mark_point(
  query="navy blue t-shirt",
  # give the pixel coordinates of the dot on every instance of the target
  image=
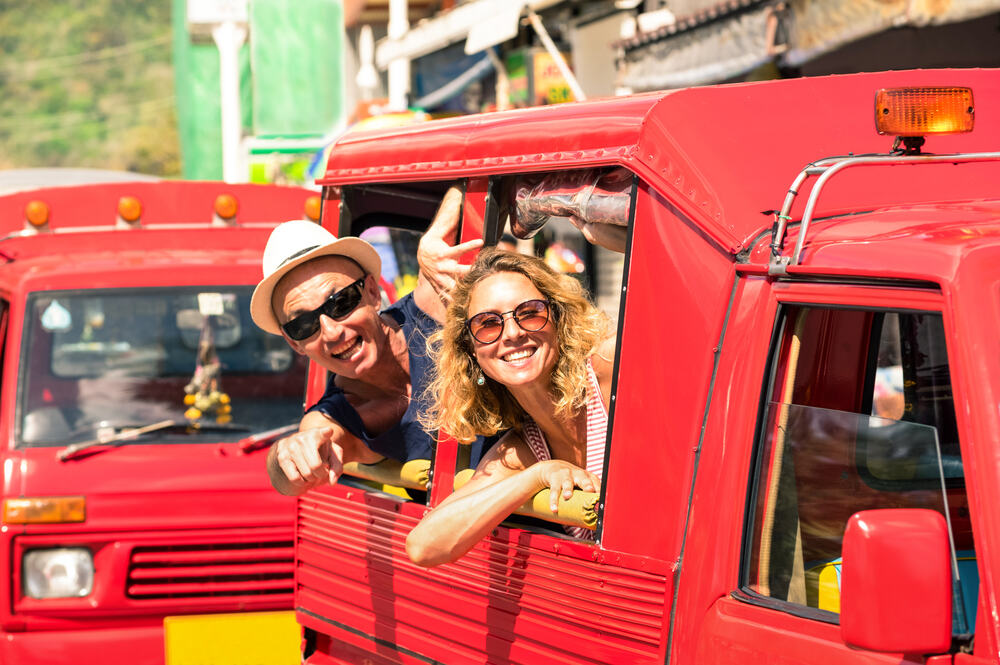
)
(407, 440)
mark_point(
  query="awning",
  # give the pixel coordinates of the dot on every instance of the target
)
(715, 51)
(733, 38)
(818, 28)
(483, 23)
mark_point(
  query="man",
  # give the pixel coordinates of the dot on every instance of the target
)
(322, 295)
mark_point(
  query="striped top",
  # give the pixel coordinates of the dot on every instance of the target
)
(597, 431)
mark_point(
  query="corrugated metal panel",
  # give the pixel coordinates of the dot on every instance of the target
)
(507, 599)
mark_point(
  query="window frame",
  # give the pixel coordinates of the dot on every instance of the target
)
(897, 296)
(494, 224)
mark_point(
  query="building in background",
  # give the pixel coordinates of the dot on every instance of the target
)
(465, 57)
(290, 90)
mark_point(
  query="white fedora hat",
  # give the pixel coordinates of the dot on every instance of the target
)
(293, 243)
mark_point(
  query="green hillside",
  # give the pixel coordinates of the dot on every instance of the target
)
(87, 83)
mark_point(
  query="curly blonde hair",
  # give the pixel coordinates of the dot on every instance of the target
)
(465, 410)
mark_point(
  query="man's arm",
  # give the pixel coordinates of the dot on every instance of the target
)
(315, 455)
(439, 258)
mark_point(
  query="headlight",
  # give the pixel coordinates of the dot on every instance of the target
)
(66, 572)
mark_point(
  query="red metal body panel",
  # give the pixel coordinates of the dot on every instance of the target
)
(671, 314)
(698, 322)
(354, 583)
(205, 513)
(973, 307)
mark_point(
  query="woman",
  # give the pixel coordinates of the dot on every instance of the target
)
(522, 348)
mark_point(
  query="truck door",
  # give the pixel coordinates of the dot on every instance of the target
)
(856, 413)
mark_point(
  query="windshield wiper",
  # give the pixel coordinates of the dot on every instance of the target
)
(264, 439)
(72, 451)
(131, 433)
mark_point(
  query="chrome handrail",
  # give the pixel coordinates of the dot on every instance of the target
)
(826, 169)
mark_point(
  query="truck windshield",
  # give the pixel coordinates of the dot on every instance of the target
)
(94, 363)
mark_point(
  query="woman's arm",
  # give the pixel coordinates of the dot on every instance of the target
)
(506, 478)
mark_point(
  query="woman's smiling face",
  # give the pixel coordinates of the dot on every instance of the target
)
(518, 357)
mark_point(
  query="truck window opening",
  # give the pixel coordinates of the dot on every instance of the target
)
(860, 416)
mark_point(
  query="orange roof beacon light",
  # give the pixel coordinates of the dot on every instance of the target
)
(129, 212)
(36, 217)
(909, 114)
(226, 207)
(312, 208)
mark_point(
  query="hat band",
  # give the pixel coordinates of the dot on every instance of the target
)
(297, 255)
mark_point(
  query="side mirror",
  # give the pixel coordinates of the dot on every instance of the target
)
(896, 582)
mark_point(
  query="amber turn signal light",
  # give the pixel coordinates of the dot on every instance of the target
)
(129, 209)
(922, 111)
(44, 510)
(226, 206)
(37, 213)
(313, 208)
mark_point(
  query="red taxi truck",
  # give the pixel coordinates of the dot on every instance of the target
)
(803, 460)
(136, 398)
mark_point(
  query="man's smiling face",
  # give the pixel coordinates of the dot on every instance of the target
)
(348, 346)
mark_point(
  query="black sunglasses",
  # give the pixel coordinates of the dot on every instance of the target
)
(336, 306)
(531, 316)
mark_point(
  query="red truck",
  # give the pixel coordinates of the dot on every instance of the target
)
(803, 459)
(138, 522)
